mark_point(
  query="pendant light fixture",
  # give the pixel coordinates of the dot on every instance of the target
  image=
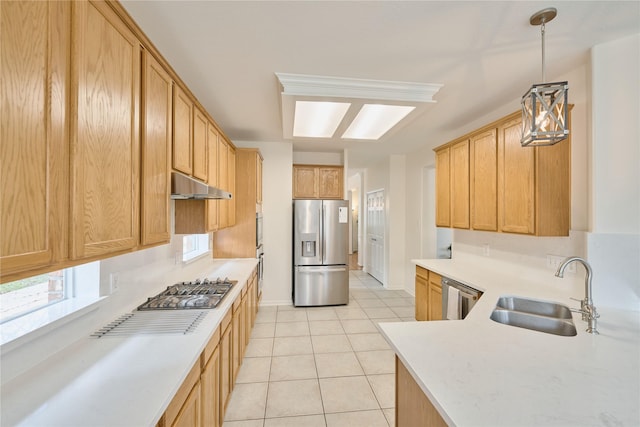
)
(545, 105)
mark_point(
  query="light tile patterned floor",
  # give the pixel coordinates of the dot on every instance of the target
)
(321, 366)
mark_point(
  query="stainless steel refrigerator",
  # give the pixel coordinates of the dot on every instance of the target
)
(320, 252)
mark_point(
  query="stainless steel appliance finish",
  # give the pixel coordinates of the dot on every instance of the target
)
(320, 258)
(190, 295)
(185, 187)
(468, 297)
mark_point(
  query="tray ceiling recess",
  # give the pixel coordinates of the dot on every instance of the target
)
(321, 107)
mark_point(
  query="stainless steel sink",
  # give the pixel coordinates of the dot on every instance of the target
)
(530, 306)
(541, 316)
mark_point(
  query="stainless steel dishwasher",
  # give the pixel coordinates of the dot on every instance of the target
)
(467, 297)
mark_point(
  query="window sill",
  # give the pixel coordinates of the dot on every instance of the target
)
(196, 257)
(21, 330)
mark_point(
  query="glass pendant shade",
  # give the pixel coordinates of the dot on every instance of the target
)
(544, 114)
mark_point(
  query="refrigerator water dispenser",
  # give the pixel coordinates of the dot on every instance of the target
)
(309, 248)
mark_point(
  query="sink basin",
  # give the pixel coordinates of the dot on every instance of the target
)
(540, 308)
(549, 325)
(541, 316)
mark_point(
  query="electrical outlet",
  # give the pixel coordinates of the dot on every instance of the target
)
(554, 261)
(114, 282)
(485, 249)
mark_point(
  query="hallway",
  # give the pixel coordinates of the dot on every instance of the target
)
(321, 366)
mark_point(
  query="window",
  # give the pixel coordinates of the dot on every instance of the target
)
(194, 245)
(29, 304)
(27, 295)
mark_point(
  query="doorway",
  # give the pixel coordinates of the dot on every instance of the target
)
(375, 234)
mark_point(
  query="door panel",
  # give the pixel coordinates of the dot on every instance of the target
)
(307, 232)
(321, 285)
(335, 233)
(375, 234)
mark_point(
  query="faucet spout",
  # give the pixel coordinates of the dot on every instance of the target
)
(587, 308)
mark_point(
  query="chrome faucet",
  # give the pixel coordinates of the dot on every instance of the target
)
(587, 309)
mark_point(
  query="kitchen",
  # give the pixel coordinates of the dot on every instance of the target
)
(604, 222)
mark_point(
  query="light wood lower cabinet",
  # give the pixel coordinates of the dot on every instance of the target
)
(202, 399)
(413, 408)
(435, 296)
(422, 293)
(185, 408)
(226, 367)
(428, 295)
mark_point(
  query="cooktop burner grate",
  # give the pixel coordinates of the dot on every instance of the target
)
(190, 295)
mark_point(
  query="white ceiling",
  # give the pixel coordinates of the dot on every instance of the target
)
(484, 52)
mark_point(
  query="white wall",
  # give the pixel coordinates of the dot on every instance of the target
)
(277, 172)
(613, 246)
(316, 158)
(395, 230)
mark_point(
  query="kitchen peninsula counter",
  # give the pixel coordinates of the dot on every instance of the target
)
(477, 372)
(118, 380)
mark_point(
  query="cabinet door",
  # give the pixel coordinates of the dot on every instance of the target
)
(156, 153)
(200, 132)
(210, 389)
(212, 176)
(422, 294)
(258, 179)
(226, 369)
(236, 339)
(484, 181)
(435, 296)
(231, 204)
(189, 415)
(443, 188)
(223, 182)
(34, 152)
(460, 185)
(330, 184)
(305, 182)
(105, 134)
(182, 131)
(515, 181)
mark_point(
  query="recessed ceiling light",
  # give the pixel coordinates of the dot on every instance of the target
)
(318, 119)
(374, 120)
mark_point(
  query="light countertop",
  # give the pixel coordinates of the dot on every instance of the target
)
(116, 381)
(478, 372)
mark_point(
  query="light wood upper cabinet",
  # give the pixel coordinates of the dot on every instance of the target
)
(318, 182)
(212, 175)
(259, 179)
(514, 189)
(156, 153)
(231, 164)
(200, 132)
(484, 181)
(239, 241)
(460, 185)
(305, 182)
(105, 146)
(443, 188)
(182, 131)
(516, 170)
(34, 148)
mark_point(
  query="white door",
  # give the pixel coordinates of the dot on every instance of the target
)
(375, 234)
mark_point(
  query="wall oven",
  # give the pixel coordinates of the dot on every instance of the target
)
(457, 299)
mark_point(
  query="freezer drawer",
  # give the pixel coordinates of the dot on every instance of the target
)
(321, 285)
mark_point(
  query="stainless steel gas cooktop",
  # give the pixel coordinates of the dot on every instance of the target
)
(190, 295)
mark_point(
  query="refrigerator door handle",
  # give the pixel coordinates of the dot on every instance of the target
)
(322, 242)
(320, 269)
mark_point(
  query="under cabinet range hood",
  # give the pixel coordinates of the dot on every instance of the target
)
(185, 187)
